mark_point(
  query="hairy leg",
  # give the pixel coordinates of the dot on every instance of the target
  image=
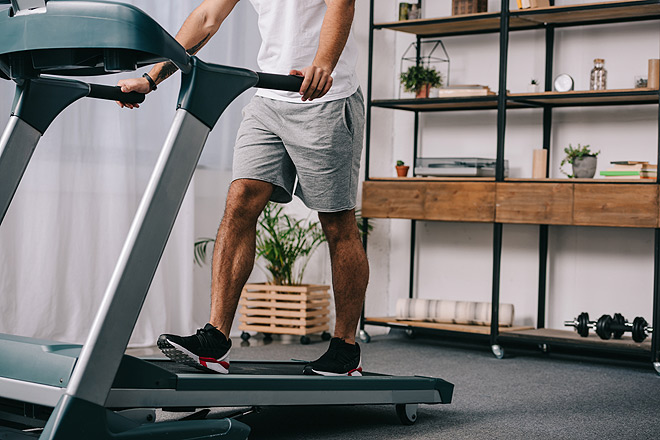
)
(350, 270)
(233, 254)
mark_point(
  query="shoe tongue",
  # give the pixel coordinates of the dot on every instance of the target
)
(210, 328)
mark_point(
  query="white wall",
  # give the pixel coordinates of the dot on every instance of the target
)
(597, 270)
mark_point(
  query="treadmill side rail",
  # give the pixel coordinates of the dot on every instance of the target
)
(16, 147)
(133, 274)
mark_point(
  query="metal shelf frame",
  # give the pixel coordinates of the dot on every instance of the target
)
(507, 22)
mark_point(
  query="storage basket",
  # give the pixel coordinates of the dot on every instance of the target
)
(460, 7)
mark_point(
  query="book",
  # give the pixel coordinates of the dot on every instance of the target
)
(519, 4)
(619, 173)
(448, 93)
(526, 4)
(540, 3)
(636, 168)
(634, 162)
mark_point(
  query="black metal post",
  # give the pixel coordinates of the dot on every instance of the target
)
(365, 222)
(655, 339)
(413, 223)
(547, 131)
(370, 69)
(499, 168)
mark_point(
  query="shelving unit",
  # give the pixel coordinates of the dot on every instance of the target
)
(500, 200)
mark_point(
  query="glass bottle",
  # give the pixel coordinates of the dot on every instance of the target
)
(598, 75)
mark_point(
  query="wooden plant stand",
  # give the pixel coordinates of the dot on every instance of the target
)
(285, 310)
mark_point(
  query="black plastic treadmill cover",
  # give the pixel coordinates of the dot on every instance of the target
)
(85, 38)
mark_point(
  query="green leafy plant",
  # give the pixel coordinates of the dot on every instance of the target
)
(575, 153)
(285, 243)
(416, 77)
(400, 163)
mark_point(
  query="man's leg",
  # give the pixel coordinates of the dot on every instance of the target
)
(233, 259)
(234, 251)
(350, 270)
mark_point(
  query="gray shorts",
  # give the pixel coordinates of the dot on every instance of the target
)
(320, 144)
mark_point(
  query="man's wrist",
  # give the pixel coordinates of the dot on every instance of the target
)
(152, 83)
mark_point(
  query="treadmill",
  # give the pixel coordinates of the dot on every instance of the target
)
(54, 390)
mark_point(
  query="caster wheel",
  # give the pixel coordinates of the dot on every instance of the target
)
(498, 351)
(407, 413)
(411, 333)
(545, 348)
(364, 337)
(326, 336)
(245, 336)
(304, 340)
(268, 337)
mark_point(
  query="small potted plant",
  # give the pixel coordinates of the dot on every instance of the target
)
(533, 86)
(401, 168)
(583, 160)
(420, 80)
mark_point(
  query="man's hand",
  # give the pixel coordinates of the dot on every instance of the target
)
(317, 81)
(140, 85)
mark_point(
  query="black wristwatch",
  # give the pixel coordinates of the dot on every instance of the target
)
(152, 83)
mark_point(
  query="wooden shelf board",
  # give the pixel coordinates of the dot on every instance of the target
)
(438, 104)
(570, 181)
(477, 329)
(590, 12)
(487, 22)
(481, 22)
(525, 100)
(585, 97)
(433, 179)
(568, 336)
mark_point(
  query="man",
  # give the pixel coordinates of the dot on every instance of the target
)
(315, 136)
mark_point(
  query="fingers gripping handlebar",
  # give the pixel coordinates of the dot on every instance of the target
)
(114, 93)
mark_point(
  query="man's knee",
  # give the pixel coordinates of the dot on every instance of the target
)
(246, 199)
(339, 226)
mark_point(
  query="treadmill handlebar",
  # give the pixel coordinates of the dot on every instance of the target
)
(287, 83)
(114, 93)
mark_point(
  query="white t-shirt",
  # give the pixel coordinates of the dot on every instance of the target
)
(290, 31)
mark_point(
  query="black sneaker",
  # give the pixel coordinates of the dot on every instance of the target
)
(341, 359)
(207, 349)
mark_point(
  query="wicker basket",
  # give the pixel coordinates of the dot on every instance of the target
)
(460, 7)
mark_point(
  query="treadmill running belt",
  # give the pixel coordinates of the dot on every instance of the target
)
(284, 368)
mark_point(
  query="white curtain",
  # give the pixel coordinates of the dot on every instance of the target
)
(66, 226)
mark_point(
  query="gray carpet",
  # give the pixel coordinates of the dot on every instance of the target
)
(520, 397)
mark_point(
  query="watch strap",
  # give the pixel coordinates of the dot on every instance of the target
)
(152, 83)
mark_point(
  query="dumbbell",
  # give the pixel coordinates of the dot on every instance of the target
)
(616, 326)
(581, 324)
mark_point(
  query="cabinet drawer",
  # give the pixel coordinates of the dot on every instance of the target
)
(534, 203)
(620, 205)
(443, 201)
(460, 201)
(393, 200)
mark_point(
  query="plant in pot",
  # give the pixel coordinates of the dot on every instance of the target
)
(583, 161)
(401, 168)
(286, 245)
(420, 80)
